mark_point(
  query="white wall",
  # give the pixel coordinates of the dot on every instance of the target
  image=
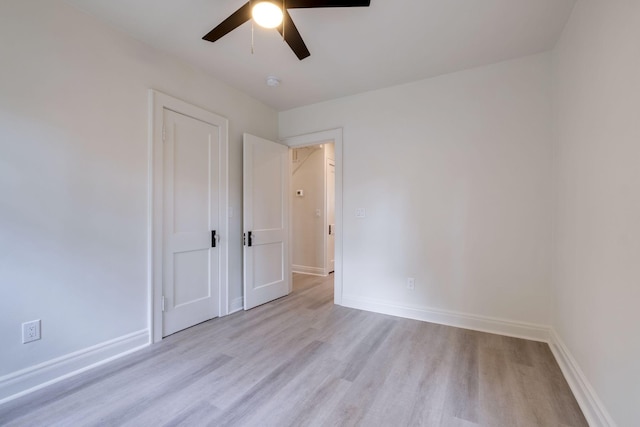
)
(308, 228)
(455, 176)
(73, 175)
(597, 264)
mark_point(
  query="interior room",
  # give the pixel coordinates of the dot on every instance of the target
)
(476, 264)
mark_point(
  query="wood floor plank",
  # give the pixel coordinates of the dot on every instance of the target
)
(367, 347)
(433, 374)
(202, 413)
(359, 400)
(496, 388)
(392, 404)
(161, 394)
(464, 382)
(302, 361)
(554, 385)
(261, 393)
(300, 389)
(243, 373)
(314, 410)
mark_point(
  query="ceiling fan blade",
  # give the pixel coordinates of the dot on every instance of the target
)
(236, 19)
(298, 4)
(293, 38)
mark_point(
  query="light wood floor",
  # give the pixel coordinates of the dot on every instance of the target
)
(301, 360)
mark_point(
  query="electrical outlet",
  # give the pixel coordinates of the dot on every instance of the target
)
(411, 283)
(30, 331)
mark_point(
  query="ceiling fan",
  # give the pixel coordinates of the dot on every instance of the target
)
(274, 14)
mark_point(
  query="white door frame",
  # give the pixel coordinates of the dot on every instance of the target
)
(315, 138)
(157, 103)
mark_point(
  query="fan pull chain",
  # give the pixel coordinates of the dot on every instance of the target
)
(284, 11)
(251, 8)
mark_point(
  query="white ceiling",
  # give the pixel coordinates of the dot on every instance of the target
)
(352, 49)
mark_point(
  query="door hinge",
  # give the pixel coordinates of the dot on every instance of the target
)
(164, 133)
(162, 302)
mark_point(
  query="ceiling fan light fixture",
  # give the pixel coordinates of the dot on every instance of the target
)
(273, 14)
(267, 14)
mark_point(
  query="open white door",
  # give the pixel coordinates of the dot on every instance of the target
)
(266, 221)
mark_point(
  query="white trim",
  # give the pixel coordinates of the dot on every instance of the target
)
(591, 405)
(314, 138)
(474, 322)
(157, 103)
(28, 380)
(304, 269)
(325, 209)
(236, 305)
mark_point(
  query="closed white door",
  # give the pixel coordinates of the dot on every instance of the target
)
(266, 221)
(191, 258)
(331, 215)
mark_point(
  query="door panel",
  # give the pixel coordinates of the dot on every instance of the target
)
(267, 180)
(191, 164)
(267, 264)
(266, 212)
(191, 206)
(190, 277)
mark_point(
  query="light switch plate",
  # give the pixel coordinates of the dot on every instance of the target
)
(361, 213)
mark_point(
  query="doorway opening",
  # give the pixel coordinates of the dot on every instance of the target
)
(316, 213)
(312, 204)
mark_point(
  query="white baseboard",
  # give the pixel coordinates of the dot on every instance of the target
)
(591, 405)
(303, 269)
(36, 377)
(236, 304)
(450, 318)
